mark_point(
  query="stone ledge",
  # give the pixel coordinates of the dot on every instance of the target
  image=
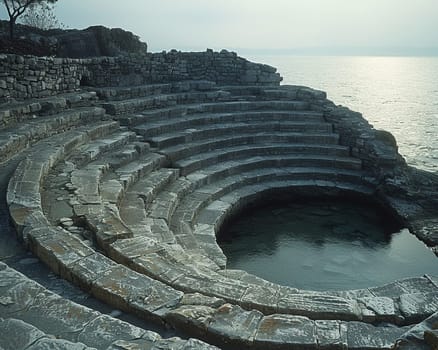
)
(37, 316)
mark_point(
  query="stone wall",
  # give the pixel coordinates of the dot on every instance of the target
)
(23, 77)
(222, 67)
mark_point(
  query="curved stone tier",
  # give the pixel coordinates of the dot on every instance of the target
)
(130, 213)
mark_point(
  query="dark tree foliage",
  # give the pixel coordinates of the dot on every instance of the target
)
(16, 8)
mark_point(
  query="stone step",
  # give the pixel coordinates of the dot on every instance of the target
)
(23, 196)
(208, 190)
(113, 157)
(137, 199)
(178, 141)
(244, 329)
(156, 114)
(216, 321)
(126, 154)
(64, 262)
(288, 92)
(155, 135)
(207, 220)
(232, 117)
(240, 288)
(167, 200)
(260, 92)
(154, 126)
(15, 139)
(120, 93)
(215, 213)
(93, 150)
(222, 107)
(161, 101)
(217, 172)
(306, 155)
(19, 112)
(36, 318)
(97, 199)
(63, 185)
(133, 171)
(147, 187)
(185, 215)
(131, 92)
(227, 106)
(318, 143)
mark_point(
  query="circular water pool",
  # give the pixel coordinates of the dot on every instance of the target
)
(324, 245)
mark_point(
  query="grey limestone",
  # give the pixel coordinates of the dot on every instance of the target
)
(286, 332)
(331, 334)
(125, 251)
(104, 330)
(231, 323)
(384, 308)
(365, 336)
(320, 306)
(224, 147)
(128, 290)
(16, 334)
(414, 338)
(39, 319)
(59, 250)
(418, 306)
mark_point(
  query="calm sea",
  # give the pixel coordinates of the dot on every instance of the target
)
(398, 94)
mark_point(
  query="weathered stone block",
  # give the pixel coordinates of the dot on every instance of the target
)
(319, 306)
(85, 271)
(418, 306)
(383, 307)
(125, 251)
(61, 251)
(286, 332)
(332, 335)
(194, 319)
(131, 291)
(57, 316)
(363, 336)
(232, 324)
(57, 344)
(16, 334)
(105, 330)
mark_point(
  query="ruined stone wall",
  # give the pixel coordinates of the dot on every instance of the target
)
(222, 67)
(23, 77)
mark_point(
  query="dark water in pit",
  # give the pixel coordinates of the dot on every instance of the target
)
(324, 245)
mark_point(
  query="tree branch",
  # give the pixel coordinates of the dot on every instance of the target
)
(7, 7)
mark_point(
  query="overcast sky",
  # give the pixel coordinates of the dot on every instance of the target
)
(263, 24)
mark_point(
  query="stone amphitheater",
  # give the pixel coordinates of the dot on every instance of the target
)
(117, 173)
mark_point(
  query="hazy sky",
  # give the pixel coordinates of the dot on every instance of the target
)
(263, 24)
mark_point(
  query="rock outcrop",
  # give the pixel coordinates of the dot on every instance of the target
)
(93, 41)
(97, 41)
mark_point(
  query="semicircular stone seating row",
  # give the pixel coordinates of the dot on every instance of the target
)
(130, 214)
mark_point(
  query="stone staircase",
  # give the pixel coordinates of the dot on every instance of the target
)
(122, 192)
